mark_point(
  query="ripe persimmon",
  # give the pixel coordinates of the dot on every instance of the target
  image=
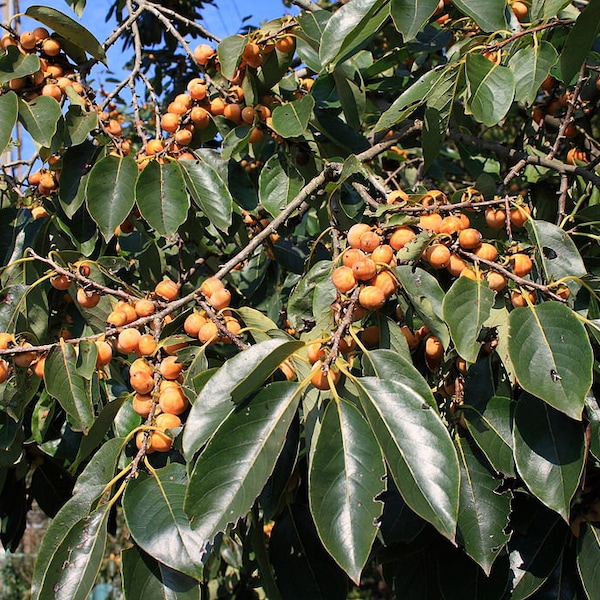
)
(355, 233)
(383, 254)
(401, 237)
(369, 241)
(88, 300)
(496, 281)
(343, 279)
(364, 269)
(167, 289)
(521, 264)
(203, 53)
(104, 353)
(172, 400)
(371, 297)
(144, 307)
(519, 215)
(208, 333)
(320, 380)
(315, 352)
(169, 368)
(142, 404)
(438, 256)
(486, 251)
(141, 382)
(193, 323)
(352, 255)
(220, 299)
(285, 44)
(3, 370)
(495, 218)
(386, 282)
(469, 238)
(147, 345)
(431, 222)
(60, 282)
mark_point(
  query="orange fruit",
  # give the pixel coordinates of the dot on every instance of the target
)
(285, 44)
(142, 404)
(200, 117)
(369, 241)
(355, 233)
(87, 300)
(208, 333)
(167, 289)
(169, 368)
(450, 224)
(60, 282)
(469, 238)
(233, 112)
(256, 135)
(495, 218)
(364, 269)
(496, 281)
(141, 365)
(319, 379)
(521, 264)
(431, 222)
(169, 122)
(386, 282)
(104, 355)
(141, 382)
(172, 400)
(401, 237)
(343, 279)
(371, 297)
(3, 370)
(438, 256)
(210, 286)
(518, 299)
(456, 265)
(383, 254)
(519, 215)
(144, 308)
(352, 255)
(486, 251)
(411, 339)
(147, 345)
(315, 352)
(220, 299)
(193, 324)
(433, 348)
(203, 53)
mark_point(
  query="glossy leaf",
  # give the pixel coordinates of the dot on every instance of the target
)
(408, 100)
(549, 452)
(534, 550)
(14, 64)
(239, 458)
(209, 192)
(110, 192)
(488, 14)
(99, 471)
(73, 176)
(157, 498)
(236, 141)
(427, 298)
(234, 381)
(409, 16)
(588, 560)
(146, 579)
(291, 119)
(40, 118)
(491, 89)
(483, 513)
(490, 422)
(350, 90)
(161, 196)
(346, 474)
(9, 110)
(67, 28)
(230, 52)
(418, 449)
(300, 306)
(466, 307)
(544, 9)
(279, 182)
(551, 355)
(69, 387)
(579, 41)
(531, 66)
(79, 124)
(350, 27)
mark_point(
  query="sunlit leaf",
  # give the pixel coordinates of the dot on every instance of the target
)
(291, 119)
(40, 118)
(409, 16)
(9, 110)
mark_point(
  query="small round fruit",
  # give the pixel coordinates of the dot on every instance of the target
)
(104, 355)
(519, 9)
(169, 368)
(411, 339)
(88, 300)
(285, 44)
(142, 404)
(128, 340)
(456, 265)
(41, 33)
(166, 421)
(193, 324)
(451, 224)
(141, 365)
(147, 345)
(371, 297)
(3, 370)
(519, 215)
(469, 238)
(200, 117)
(141, 382)
(256, 135)
(210, 286)
(486, 251)
(51, 47)
(438, 256)
(203, 53)
(352, 255)
(208, 333)
(386, 282)
(220, 299)
(343, 279)
(167, 289)
(170, 122)
(117, 318)
(383, 254)
(355, 233)
(431, 222)
(27, 40)
(60, 282)
(496, 281)
(495, 218)
(521, 264)
(172, 400)
(433, 348)
(401, 237)
(315, 352)
(144, 307)
(320, 380)
(24, 359)
(364, 269)
(519, 299)
(139, 441)
(6, 339)
(369, 241)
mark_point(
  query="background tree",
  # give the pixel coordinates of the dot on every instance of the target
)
(309, 306)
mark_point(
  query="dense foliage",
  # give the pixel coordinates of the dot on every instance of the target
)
(308, 307)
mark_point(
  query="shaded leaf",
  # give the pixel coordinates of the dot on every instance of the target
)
(79, 123)
(551, 355)
(409, 16)
(291, 119)
(110, 192)
(209, 192)
(346, 474)
(68, 386)
(68, 28)
(588, 560)
(230, 52)
(40, 118)
(239, 458)
(418, 449)
(488, 14)
(279, 183)
(530, 67)
(161, 196)
(157, 498)
(549, 452)
(466, 307)
(14, 64)
(579, 41)
(491, 89)
(234, 381)
(483, 514)
(9, 110)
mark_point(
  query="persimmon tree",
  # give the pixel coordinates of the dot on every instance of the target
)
(306, 307)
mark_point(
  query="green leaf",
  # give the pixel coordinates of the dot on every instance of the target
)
(549, 452)
(110, 192)
(73, 176)
(350, 90)
(77, 6)
(387, 364)
(588, 560)
(230, 52)
(69, 29)
(9, 110)
(466, 307)
(209, 192)
(40, 118)
(409, 100)
(72, 569)
(99, 472)
(557, 254)
(146, 579)
(579, 41)
(490, 423)
(530, 67)
(300, 305)
(544, 9)
(161, 196)
(417, 448)
(409, 16)
(427, 298)
(488, 14)
(14, 64)
(68, 387)
(239, 458)
(491, 89)
(291, 119)
(157, 498)
(235, 141)
(350, 27)
(535, 549)
(79, 123)
(279, 183)
(483, 513)
(234, 381)
(551, 355)
(346, 474)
